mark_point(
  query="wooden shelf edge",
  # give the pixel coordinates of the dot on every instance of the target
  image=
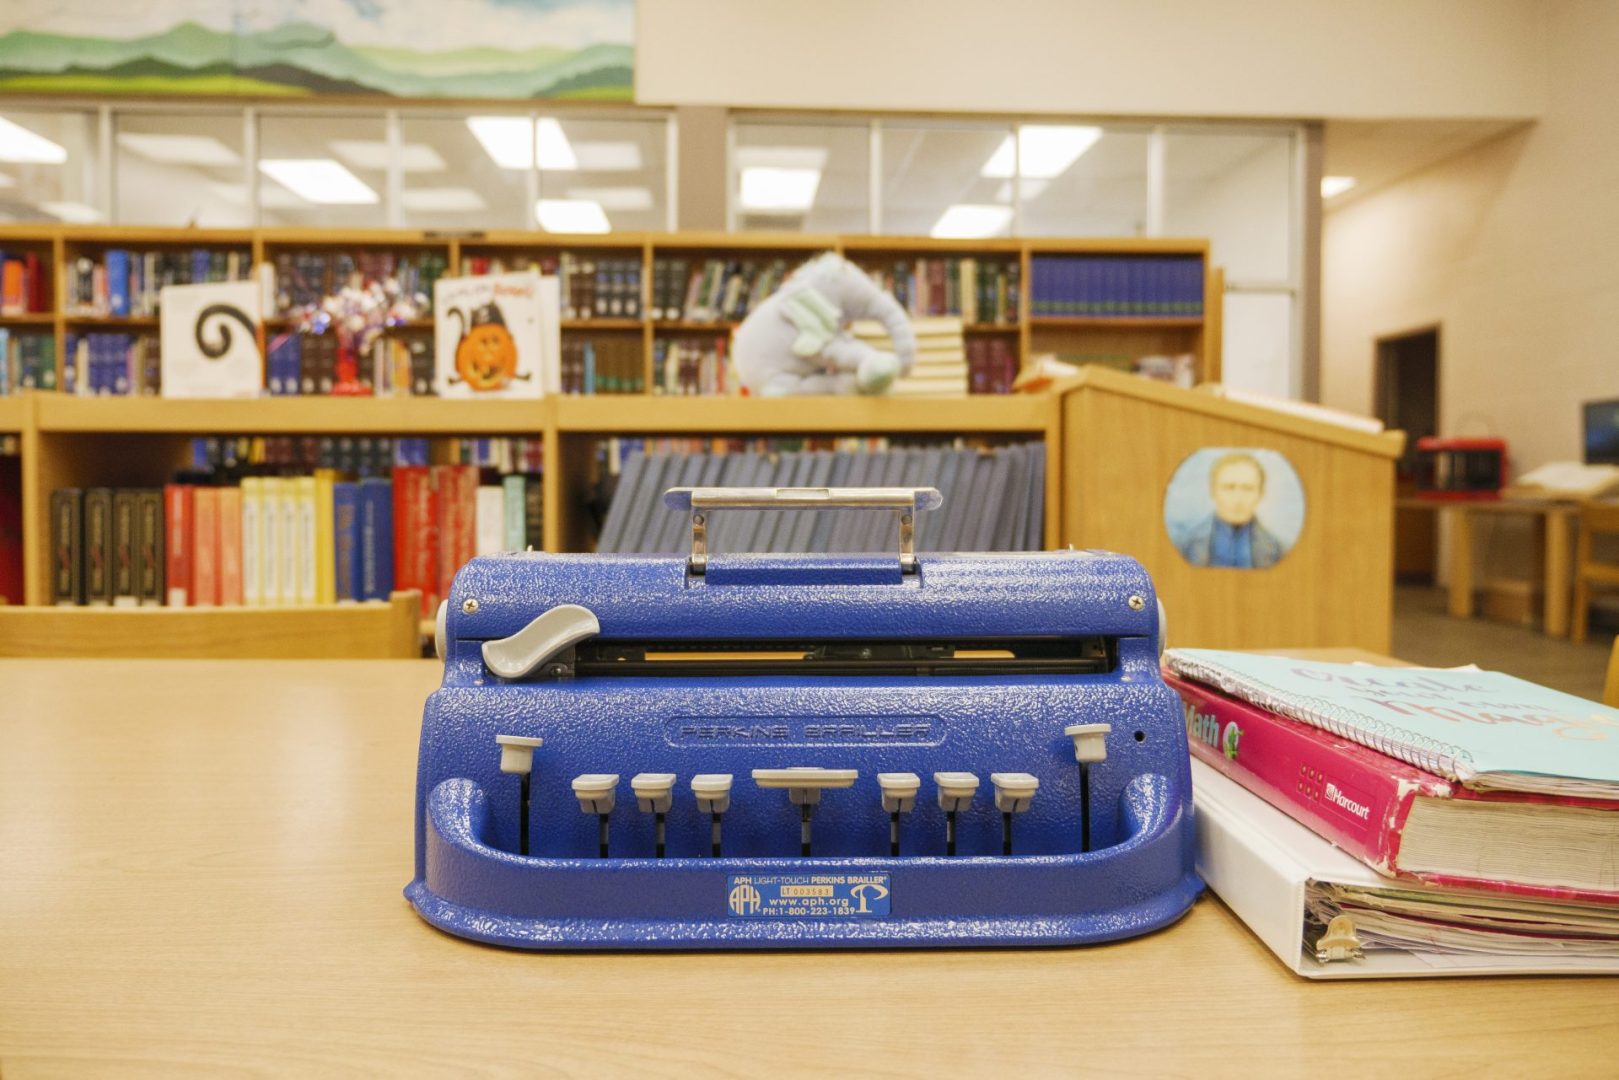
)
(637, 414)
(63, 413)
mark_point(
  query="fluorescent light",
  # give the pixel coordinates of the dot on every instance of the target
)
(552, 150)
(451, 200)
(1335, 185)
(965, 221)
(571, 216)
(510, 141)
(781, 157)
(1044, 151)
(200, 150)
(17, 143)
(319, 180)
(1027, 188)
(74, 213)
(615, 198)
(767, 188)
(373, 154)
(608, 156)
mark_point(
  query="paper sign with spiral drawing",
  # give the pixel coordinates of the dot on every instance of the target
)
(209, 340)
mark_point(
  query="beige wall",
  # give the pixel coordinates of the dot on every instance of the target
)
(1511, 248)
(1260, 58)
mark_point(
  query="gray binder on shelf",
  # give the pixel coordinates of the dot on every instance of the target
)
(820, 536)
(640, 511)
(723, 529)
(939, 520)
(672, 534)
(1015, 517)
(958, 528)
(803, 523)
(844, 523)
(1037, 496)
(992, 509)
(624, 497)
(927, 464)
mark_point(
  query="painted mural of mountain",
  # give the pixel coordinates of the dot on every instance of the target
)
(299, 58)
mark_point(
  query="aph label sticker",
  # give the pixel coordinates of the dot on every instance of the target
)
(808, 896)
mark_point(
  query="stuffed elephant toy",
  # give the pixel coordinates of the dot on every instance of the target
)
(798, 340)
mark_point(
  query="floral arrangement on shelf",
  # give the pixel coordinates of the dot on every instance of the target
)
(358, 314)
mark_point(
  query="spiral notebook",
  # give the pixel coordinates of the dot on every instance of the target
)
(1483, 729)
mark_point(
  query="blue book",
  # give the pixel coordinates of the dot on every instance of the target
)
(346, 540)
(117, 264)
(284, 363)
(376, 540)
(1483, 729)
(7, 382)
(201, 263)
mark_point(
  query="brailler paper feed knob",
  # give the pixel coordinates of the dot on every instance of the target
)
(955, 789)
(595, 792)
(1014, 791)
(899, 791)
(654, 791)
(1090, 743)
(713, 791)
(517, 753)
(547, 635)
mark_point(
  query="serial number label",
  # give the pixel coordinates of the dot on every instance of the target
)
(807, 896)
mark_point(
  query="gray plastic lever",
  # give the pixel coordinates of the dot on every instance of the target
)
(551, 632)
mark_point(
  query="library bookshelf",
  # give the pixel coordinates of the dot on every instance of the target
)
(68, 440)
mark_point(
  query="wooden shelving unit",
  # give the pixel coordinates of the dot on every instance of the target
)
(72, 441)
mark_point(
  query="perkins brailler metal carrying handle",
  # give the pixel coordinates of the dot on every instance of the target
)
(904, 501)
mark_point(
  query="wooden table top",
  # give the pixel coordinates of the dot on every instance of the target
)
(200, 872)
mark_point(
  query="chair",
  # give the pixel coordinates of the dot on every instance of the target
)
(1596, 518)
(368, 631)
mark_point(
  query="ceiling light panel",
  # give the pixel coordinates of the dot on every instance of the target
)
(319, 180)
(18, 143)
(571, 216)
(202, 151)
(971, 222)
(775, 189)
(373, 154)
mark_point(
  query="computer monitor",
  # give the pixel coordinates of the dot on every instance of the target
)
(1602, 432)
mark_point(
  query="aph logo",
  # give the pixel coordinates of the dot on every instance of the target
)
(745, 899)
(871, 891)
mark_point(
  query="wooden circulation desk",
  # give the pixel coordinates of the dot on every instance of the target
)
(201, 869)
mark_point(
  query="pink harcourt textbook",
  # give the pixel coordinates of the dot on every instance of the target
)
(1404, 821)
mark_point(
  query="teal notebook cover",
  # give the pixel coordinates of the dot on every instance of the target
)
(1482, 728)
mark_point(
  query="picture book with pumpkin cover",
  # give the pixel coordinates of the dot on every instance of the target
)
(497, 336)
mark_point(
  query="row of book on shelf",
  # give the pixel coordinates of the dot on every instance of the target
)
(270, 541)
(25, 287)
(304, 279)
(592, 287)
(978, 290)
(994, 498)
(1371, 821)
(1116, 285)
(27, 361)
(124, 283)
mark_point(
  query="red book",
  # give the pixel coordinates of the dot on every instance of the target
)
(457, 489)
(1378, 808)
(11, 575)
(416, 534)
(177, 551)
(205, 547)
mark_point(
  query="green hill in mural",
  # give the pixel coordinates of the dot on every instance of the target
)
(299, 58)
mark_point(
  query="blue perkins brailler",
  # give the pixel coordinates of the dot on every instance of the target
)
(703, 739)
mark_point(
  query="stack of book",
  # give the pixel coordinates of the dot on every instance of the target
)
(27, 361)
(993, 499)
(941, 356)
(1463, 821)
(122, 283)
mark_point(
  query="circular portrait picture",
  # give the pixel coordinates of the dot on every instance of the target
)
(1235, 507)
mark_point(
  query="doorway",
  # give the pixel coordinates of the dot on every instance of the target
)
(1406, 398)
